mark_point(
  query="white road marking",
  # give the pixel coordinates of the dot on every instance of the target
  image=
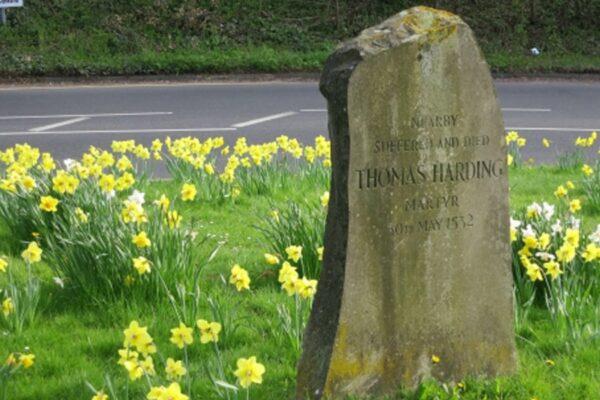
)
(58, 124)
(264, 119)
(61, 116)
(101, 85)
(21, 133)
(313, 110)
(528, 109)
(550, 129)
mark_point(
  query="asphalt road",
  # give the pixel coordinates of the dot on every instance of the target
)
(67, 120)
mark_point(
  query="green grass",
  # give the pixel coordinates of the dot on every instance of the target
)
(71, 38)
(75, 342)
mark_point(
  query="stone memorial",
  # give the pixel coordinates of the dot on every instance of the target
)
(416, 281)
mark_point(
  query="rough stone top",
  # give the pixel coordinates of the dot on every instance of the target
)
(423, 24)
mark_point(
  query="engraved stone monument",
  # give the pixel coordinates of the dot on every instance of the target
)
(416, 280)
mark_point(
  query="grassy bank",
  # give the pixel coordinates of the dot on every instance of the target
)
(72, 308)
(72, 38)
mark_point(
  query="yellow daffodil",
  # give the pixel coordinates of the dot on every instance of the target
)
(435, 359)
(134, 369)
(49, 204)
(320, 253)
(561, 191)
(81, 215)
(181, 336)
(553, 269)
(534, 273)
(570, 185)
(142, 265)
(306, 288)
(137, 336)
(271, 259)
(209, 331)
(544, 241)
(100, 396)
(572, 237)
(174, 369)
(133, 212)
(239, 277)
(26, 360)
(591, 252)
(545, 143)
(124, 164)
(249, 371)
(294, 253)
(587, 170)
(7, 306)
(3, 264)
(148, 366)
(565, 253)
(163, 203)
(287, 272)
(188, 192)
(173, 392)
(275, 215)
(11, 360)
(127, 355)
(209, 169)
(511, 136)
(575, 205)
(141, 240)
(28, 183)
(48, 163)
(32, 253)
(107, 183)
(173, 219)
(324, 199)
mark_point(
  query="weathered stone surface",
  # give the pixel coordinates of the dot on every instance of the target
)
(417, 250)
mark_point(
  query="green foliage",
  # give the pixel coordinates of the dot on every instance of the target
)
(296, 225)
(68, 37)
(76, 342)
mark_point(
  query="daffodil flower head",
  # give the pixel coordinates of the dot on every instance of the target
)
(271, 259)
(239, 277)
(174, 369)
(142, 265)
(26, 360)
(141, 240)
(7, 306)
(137, 336)
(48, 204)
(324, 199)
(182, 336)
(209, 331)
(249, 371)
(100, 396)
(32, 253)
(188, 192)
(294, 253)
(173, 392)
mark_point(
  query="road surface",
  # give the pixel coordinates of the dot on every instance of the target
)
(67, 120)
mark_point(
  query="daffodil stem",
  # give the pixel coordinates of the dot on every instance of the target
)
(220, 366)
(4, 388)
(187, 366)
(169, 296)
(297, 320)
(248, 394)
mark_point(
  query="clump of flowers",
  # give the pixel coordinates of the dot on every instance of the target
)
(14, 363)
(515, 143)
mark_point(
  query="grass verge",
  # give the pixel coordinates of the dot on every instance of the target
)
(76, 341)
